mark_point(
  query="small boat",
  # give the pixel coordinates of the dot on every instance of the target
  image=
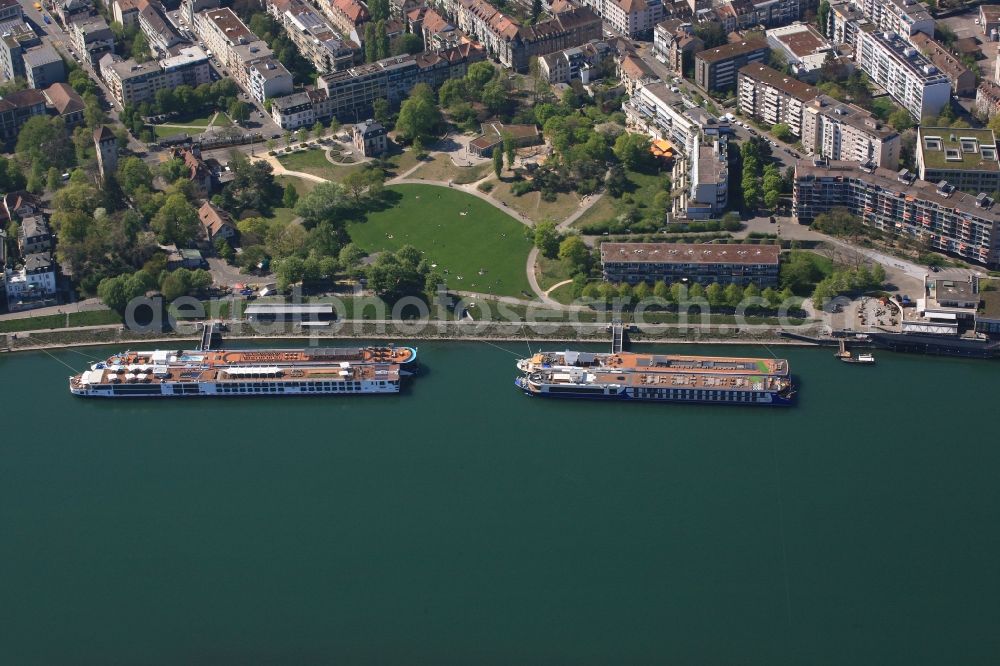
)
(863, 359)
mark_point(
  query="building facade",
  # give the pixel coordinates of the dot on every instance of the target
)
(716, 68)
(15, 110)
(896, 65)
(845, 132)
(43, 67)
(988, 99)
(315, 38)
(133, 83)
(803, 47)
(903, 17)
(631, 18)
(93, 37)
(17, 39)
(370, 138)
(772, 97)
(691, 263)
(674, 44)
(34, 285)
(662, 114)
(702, 182)
(899, 204)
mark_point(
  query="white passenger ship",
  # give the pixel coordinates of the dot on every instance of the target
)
(171, 373)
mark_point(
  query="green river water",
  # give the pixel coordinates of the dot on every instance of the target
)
(464, 523)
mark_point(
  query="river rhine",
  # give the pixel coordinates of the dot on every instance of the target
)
(464, 523)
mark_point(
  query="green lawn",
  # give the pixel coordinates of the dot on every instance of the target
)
(302, 186)
(313, 161)
(284, 215)
(161, 131)
(550, 271)
(533, 206)
(429, 218)
(645, 186)
(85, 318)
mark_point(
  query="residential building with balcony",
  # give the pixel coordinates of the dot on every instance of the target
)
(268, 79)
(674, 44)
(160, 35)
(840, 131)
(772, 97)
(34, 235)
(691, 263)
(34, 285)
(843, 22)
(133, 83)
(899, 204)
(702, 182)
(894, 64)
(315, 38)
(988, 99)
(903, 17)
(93, 37)
(15, 42)
(15, 110)
(631, 18)
(662, 114)
(716, 68)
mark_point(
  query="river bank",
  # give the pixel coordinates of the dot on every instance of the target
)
(392, 330)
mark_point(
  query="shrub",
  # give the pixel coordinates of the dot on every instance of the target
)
(486, 186)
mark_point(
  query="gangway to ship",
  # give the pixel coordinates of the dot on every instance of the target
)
(617, 337)
(209, 332)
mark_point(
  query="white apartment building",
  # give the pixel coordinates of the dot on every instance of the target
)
(268, 78)
(770, 96)
(702, 182)
(896, 66)
(34, 285)
(629, 17)
(134, 83)
(662, 114)
(903, 17)
(844, 132)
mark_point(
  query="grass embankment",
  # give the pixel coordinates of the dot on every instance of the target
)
(72, 319)
(463, 235)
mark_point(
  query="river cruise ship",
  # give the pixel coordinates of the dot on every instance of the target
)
(657, 377)
(320, 371)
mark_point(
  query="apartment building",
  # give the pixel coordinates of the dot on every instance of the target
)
(133, 83)
(126, 12)
(512, 44)
(903, 17)
(692, 263)
(631, 18)
(843, 22)
(267, 79)
(965, 158)
(702, 182)
(66, 103)
(899, 204)
(716, 68)
(93, 37)
(10, 10)
(15, 110)
(896, 65)
(34, 285)
(16, 40)
(349, 94)
(987, 99)
(662, 114)
(43, 67)
(315, 38)
(840, 131)
(804, 49)
(963, 81)
(221, 30)
(161, 35)
(575, 64)
(347, 15)
(674, 44)
(34, 235)
(71, 11)
(772, 97)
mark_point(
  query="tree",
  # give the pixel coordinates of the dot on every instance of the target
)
(494, 96)
(771, 199)
(322, 203)
(900, 120)
(771, 296)
(176, 221)
(783, 132)
(381, 41)
(407, 43)
(711, 33)
(140, 50)
(318, 130)
(172, 169)
(43, 142)
(239, 111)
(497, 161)
(397, 274)
(419, 116)
(734, 295)
(547, 239)
(452, 92)
(290, 197)
(575, 253)
(508, 149)
(715, 294)
(632, 150)
(661, 290)
(823, 17)
(132, 174)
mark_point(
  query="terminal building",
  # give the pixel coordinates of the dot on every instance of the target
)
(691, 263)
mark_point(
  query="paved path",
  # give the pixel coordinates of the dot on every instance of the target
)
(582, 208)
(556, 286)
(280, 170)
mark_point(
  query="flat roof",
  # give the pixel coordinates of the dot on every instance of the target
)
(800, 39)
(961, 290)
(689, 253)
(289, 308)
(889, 182)
(960, 149)
(785, 83)
(852, 115)
(727, 51)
